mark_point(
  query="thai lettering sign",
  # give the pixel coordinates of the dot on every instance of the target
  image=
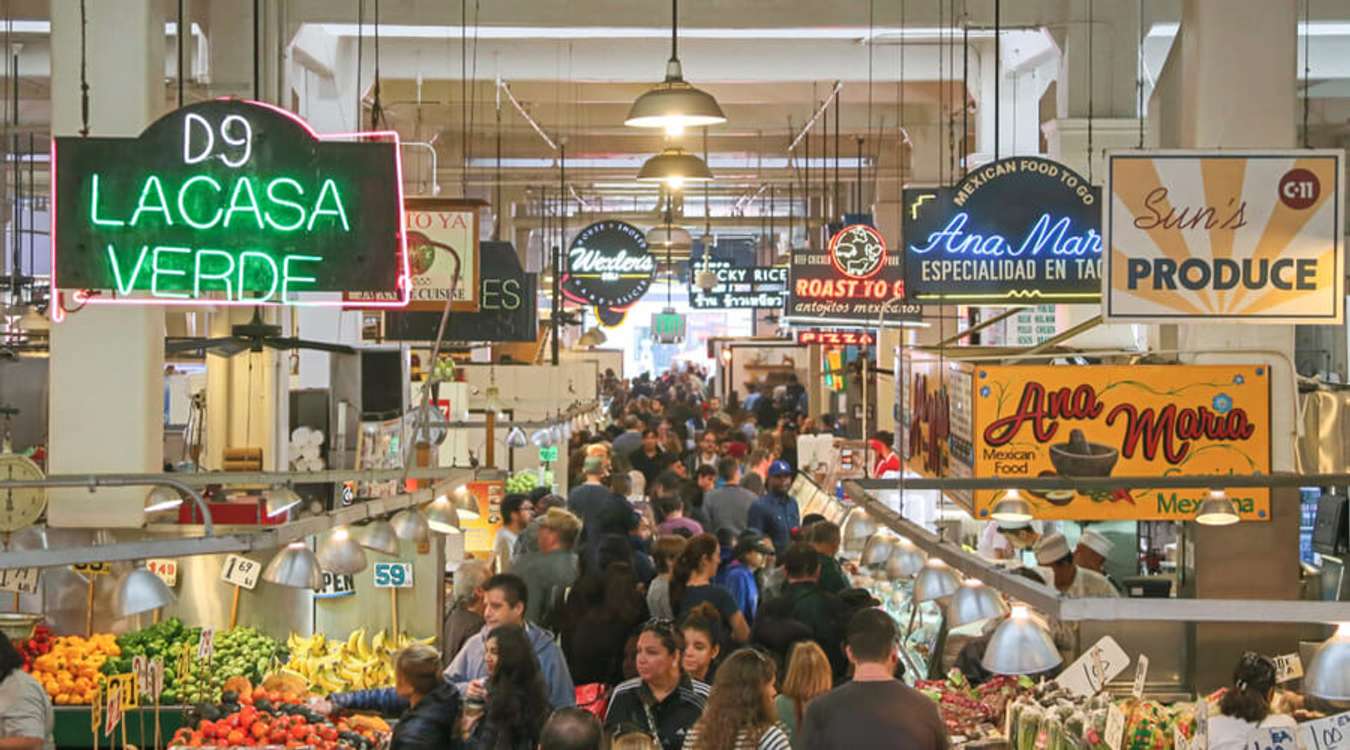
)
(608, 265)
(442, 255)
(1023, 228)
(230, 201)
(1226, 236)
(739, 288)
(1136, 421)
(935, 421)
(848, 283)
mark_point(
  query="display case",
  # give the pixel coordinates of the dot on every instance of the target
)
(922, 624)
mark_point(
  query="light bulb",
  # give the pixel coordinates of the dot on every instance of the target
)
(675, 128)
(675, 182)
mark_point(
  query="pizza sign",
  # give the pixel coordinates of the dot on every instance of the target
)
(836, 338)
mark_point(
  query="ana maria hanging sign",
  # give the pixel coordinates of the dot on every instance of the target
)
(1023, 228)
(230, 201)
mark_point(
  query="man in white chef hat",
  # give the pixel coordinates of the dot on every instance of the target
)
(1092, 552)
(1057, 565)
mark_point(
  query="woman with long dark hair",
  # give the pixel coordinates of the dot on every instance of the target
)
(662, 701)
(26, 716)
(691, 585)
(602, 610)
(740, 713)
(703, 635)
(517, 699)
(1245, 707)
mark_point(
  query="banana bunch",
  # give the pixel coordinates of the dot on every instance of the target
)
(334, 666)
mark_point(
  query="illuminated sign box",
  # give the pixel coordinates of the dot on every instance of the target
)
(753, 287)
(229, 202)
(1018, 229)
(835, 338)
(850, 282)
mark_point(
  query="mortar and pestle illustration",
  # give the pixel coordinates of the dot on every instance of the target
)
(1079, 458)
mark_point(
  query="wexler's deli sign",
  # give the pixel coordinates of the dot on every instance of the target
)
(1135, 421)
(755, 287)
(506, 311)
(1226, 237)
(1023, 228)
(231, 201)
(443, 253)
(608, 265)
(849, 282)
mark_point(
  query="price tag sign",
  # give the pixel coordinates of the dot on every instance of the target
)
(548, 453)
(1140, 676)
(140, 667)
(241, 571)
(156, 678)
(1201, 739)
(1115, 727)
(336, 586)
(1331, 733)
(167, 570)
(19, 580)
(393, 575)
(1279, 738)
(1288, 667)
(92, 569)
(1096, 667)
(112, 710)
(206, 647)
(1179, 741)
(125, 685)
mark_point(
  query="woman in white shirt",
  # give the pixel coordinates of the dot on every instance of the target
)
(26, 717)
(1245, 708)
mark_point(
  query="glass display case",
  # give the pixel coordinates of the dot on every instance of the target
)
(922, 624)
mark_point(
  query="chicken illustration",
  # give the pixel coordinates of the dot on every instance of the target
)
(858, 252)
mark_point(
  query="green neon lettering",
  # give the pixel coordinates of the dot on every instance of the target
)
(200, 275)
(182, 202)
(328, 187)
(142, 207)
(287, 278)
(296, 207)
(124, 287)
(156, 270)
(243, 187)
(93, 210)
(272, 270)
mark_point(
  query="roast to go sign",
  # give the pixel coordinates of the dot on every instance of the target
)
(849, 282)
(1225, 236)
(393, 575)
(228, 200)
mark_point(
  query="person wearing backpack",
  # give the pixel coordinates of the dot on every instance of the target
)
(805, 610)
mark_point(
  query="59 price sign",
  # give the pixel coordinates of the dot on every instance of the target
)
(393, 575)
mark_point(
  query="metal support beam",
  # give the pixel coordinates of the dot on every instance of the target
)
(838, 86)
(1042, 484)
(983, 324)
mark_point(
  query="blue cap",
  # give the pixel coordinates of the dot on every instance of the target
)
(780, 469)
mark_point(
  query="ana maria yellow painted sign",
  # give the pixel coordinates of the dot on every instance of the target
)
(1135, 421)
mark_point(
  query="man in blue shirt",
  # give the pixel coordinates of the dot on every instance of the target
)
(776, 514)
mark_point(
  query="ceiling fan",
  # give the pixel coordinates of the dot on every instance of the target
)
(252, 336)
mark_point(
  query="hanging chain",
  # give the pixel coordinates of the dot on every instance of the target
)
(84, 78)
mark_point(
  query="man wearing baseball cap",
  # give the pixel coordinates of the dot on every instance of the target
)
(776, 513)
(1052, 553)
(749, 554)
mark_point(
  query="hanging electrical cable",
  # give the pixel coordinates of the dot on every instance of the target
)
(1091, 88)
(360, 59)
(182, 32)
(1139, 76)
(1307, 68)
(965, 88)
(376, 108)
(84, 78)
(942, 95)
(998, 78)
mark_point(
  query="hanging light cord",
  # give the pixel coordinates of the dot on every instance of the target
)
(376, 108)
(84, 78)
(257, 50)
(1092, 93)
(998, 76)
(1139, 77)
(674, 30)
(1307, 68)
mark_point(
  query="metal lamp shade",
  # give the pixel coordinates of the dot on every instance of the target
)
(592, 337)
(935, 581)
(858, 527)
(974, 602)
(160, 499)
(339, 553)
(1328, 673)
(280, 500)
(878, 549)
(674, 105)
(411, 525)
(905, 561)
(295, 566)
(1020, 645)
(139, 591)
(1012, 507)
(542, 438)
(675, 239)
(516, 438)
(379, 536)
(674, 166)
(1217, 510)
(442, 516)
(465, 504)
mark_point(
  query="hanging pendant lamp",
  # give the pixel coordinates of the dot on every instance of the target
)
(139, 591)
(516, 438)
(379, 536)
(974, 602)
(905, 561)
(935, 581)
(1328, 675)
(411, 525)
(1217, 510)
(674, 166)
(339, 553)
(295, 566)
(673, 104)
(1012, 508)
(1021, 645)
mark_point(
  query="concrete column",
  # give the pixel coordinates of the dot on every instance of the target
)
(247, 402)
(107, 363)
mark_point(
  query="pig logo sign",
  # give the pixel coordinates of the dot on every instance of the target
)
(858, 251)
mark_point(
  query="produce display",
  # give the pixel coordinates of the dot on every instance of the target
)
(34, 646)
(522, 482)
(69, 672)
(1054, 719)
(166, 640)
(973, 712)
(240, 652)
(256, 717)
(332, 666)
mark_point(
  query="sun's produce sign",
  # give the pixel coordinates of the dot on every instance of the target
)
(1226, 237)
(849, 282)
(443, 254)
(232, 201)
(1135, 421)
(1022, 228)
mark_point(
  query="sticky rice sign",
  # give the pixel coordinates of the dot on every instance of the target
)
(1135, 421)
(1225, 237)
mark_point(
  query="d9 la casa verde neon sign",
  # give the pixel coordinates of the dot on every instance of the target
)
(232, 202)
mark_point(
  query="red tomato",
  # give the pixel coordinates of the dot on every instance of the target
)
(299, 732)
(328, 732)
(235, 737)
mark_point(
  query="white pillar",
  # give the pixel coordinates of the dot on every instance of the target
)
(107, 363)
(247, 395)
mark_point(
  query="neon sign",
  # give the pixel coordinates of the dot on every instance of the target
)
(850, 282)
(1023, 228)
(228, 202)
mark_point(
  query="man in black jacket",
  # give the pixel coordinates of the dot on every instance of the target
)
(804, 609)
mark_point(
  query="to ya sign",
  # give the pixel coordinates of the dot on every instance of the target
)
(1023, 228)
(849, 283)
(229, 201)
(608, 265)
(442, 236)
(1226, 236)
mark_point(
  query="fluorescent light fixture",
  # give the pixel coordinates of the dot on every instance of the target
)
(845, 33)
(1317, 28)
(635, 161)
(45, 27)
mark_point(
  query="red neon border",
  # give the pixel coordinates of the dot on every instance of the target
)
(403, 282)
(834, 242)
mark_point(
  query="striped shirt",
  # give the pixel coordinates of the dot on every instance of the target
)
(773, 738)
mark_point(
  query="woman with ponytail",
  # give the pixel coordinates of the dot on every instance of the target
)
(691, 585)
(1245, 707)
